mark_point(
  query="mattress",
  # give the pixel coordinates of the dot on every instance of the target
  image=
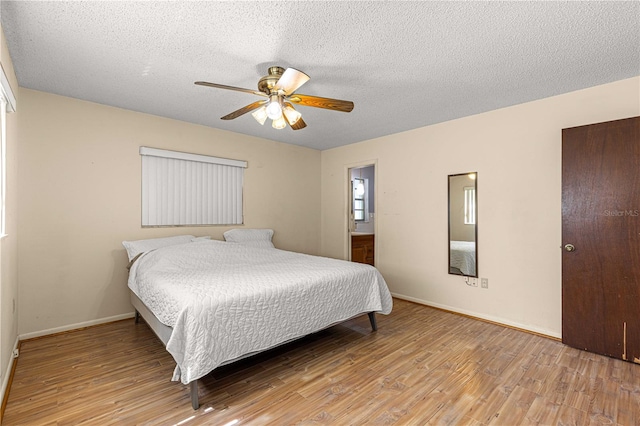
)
(225, 300)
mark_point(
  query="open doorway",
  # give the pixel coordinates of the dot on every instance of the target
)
(362, 214)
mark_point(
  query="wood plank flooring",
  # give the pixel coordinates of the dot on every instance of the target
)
(423, 366)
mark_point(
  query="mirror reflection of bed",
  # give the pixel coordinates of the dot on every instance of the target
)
(462, 258)
(463, 231)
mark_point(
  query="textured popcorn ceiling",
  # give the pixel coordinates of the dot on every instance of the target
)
(404, 64)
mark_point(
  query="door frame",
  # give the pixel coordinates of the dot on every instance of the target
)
(348, 205)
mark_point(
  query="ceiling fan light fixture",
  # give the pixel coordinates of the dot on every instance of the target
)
(278, 90)
(279, 123)
(274, 109)
(292, 115)
(260, 115)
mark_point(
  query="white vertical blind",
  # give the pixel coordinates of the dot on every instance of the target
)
(3, 164)
(7, 104)
(180, 189)
(469, 205)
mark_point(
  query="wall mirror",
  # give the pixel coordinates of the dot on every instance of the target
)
(463, 224)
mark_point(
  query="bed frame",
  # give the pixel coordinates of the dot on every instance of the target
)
(164, 333)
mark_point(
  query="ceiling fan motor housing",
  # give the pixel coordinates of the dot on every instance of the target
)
(268, 82)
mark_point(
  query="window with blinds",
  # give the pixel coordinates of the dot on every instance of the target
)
(182, 189)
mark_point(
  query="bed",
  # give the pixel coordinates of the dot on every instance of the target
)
(214, 302)
(463, 257)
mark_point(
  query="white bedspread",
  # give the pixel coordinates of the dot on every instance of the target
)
(225, 300)
(463, 256)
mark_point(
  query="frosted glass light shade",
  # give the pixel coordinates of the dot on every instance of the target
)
(292, 115)
(260, 115)
(279, 123)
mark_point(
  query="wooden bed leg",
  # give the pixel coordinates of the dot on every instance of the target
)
(137, 317)
(372, 320)
(194, 394)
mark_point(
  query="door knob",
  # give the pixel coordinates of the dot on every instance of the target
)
(569, 247)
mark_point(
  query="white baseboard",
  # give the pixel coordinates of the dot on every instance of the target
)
(498, 320)
(70, 327)
(7, 373)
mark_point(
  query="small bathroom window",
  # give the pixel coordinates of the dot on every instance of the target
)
(360, 200)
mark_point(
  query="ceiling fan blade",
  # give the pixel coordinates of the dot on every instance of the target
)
(291, 80)
(244, 110)
(222, 86)
(318, 102)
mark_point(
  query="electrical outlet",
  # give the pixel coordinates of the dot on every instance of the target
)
(484, 283)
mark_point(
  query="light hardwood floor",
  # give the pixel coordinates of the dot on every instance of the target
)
(422, 366)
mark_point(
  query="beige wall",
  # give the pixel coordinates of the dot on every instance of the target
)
(80, 197)
(519, 232)
(9, 244)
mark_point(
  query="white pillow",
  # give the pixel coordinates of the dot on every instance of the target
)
(250, 237)
(134, 248)
(196, 239)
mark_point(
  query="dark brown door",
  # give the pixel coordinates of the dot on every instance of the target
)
(601, 238)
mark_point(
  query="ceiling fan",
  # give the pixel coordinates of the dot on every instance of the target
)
(279, 87)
